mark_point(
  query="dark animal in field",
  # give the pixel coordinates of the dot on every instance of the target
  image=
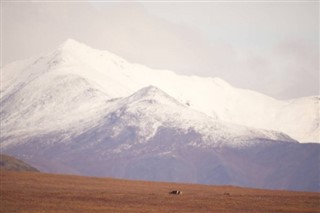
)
(176, 192)
(227, 193)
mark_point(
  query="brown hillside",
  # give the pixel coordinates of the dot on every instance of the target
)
(9, 163)
(36, 192)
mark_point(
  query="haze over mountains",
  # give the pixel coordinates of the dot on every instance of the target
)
(90, 112)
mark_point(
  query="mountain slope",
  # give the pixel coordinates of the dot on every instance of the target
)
(102, 75)
(9, 163)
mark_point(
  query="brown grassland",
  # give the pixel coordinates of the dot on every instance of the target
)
(39, 193)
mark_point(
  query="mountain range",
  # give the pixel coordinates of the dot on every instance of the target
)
(85, 111)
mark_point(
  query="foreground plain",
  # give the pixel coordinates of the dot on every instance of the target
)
(37, 192)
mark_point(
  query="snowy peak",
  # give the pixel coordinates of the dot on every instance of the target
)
(152, 105)
(70, 51)
(150, 91)
(85, 53)
(70, 43)
(74, 48)
(152, 94)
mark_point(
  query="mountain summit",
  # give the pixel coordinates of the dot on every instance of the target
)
(85, 111)
(71, 43)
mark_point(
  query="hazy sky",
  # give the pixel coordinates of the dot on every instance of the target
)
(270, 47)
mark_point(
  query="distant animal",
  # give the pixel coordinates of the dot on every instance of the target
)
(176, 192)
(227, 193)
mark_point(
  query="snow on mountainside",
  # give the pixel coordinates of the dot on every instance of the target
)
(150, 109)
(79, 73)
(71, 109)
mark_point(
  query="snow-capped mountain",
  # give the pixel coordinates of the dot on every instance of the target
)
(97, 71)
(90, 112)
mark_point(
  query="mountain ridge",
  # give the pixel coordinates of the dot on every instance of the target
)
(211, 96)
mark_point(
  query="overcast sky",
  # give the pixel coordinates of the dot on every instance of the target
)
(270, 47)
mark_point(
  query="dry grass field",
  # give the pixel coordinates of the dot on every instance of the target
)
(39, 193)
